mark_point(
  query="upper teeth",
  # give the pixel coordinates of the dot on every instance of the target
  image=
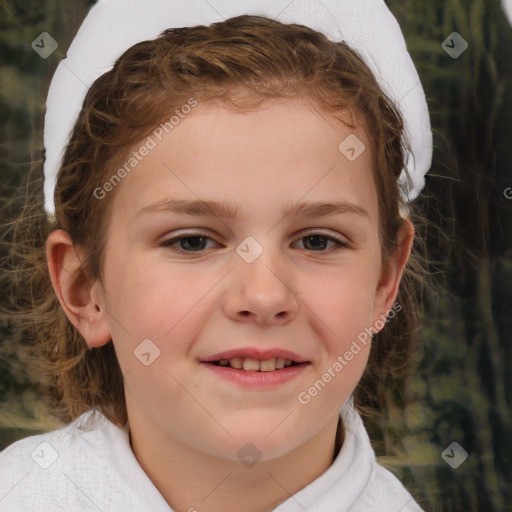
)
(267, 365)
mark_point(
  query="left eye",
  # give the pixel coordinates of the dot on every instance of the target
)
(317, 242)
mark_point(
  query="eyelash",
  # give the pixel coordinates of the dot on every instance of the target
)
(340, 244)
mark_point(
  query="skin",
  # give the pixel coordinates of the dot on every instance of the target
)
(186, 424)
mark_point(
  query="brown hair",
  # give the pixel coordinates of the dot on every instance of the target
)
(243, 62)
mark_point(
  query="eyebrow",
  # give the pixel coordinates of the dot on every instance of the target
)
(229, 211)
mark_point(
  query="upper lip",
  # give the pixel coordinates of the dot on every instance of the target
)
(256, 353)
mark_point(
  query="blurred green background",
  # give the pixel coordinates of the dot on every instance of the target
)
(462, 390)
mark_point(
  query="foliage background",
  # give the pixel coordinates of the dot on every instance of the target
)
(463, 388)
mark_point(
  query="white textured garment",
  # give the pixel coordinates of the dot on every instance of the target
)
(96, 470)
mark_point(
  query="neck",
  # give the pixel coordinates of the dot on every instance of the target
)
(194, 481)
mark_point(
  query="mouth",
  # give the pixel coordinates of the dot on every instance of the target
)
(256, 374)
(255, 368)
(255, 365)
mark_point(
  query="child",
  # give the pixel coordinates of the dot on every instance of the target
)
(226, 241)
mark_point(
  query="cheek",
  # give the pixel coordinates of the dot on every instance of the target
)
(150, 294)
(344, 317)
(340, 306)
(342, 298)
(157, 301)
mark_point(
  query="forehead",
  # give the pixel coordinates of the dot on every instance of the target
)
(270, 156)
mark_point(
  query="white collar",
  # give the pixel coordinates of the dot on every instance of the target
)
(337, 489)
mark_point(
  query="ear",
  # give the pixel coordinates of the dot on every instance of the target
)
(391, 275)
(82, 303)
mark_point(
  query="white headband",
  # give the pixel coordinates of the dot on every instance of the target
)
(113, 26)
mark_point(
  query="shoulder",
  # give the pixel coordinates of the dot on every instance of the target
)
(34, 451)
(62, 469)
(385, 487)
(46, 449)
(87, 465)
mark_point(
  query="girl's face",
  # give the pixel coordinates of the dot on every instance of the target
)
(252, 235)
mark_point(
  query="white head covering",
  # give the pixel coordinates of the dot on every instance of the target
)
(507, 7)
(113, 26)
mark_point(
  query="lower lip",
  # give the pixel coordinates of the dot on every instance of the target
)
(257, 379)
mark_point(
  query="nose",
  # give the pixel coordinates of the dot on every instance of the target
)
(261, 292)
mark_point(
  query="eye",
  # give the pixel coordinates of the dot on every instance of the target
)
(196, 242)
(318, 242)
(188, 242)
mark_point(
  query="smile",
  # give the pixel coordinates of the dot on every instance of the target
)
(249, 364)
(252, 376)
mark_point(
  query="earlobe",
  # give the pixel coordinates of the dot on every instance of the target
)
(392, 275)
(83, 310)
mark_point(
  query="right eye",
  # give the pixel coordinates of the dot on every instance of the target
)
(187, 242)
